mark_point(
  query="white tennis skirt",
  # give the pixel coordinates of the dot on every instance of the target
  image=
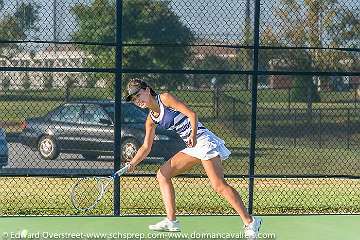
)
(208, 146)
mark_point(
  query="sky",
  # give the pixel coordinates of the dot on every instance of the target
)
(215, 19)
(222, 18)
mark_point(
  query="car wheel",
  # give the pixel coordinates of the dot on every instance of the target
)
(129, 147)
(48, 148)
(90, 156)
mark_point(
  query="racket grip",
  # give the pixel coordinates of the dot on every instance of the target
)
(122, 170)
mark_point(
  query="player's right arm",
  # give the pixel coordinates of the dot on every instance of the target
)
(145, 148)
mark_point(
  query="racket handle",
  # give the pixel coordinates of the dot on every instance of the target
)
(122, 170)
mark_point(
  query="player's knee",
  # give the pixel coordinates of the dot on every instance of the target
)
(220, 187)
(161, 177)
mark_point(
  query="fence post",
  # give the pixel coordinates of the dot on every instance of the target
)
(117, 127)
(254, 104)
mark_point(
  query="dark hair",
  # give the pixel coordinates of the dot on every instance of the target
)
(152, 91)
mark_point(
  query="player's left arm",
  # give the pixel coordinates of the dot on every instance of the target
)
(171, 101)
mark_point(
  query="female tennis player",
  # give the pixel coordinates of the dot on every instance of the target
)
(204, 147)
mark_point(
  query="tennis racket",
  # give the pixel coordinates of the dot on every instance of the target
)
(87, 192)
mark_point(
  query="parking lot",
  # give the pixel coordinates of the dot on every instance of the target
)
(25, 160)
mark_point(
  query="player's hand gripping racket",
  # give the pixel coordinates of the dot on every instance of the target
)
(87, 192)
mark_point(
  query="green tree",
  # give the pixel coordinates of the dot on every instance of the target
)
(17, 25)
(6, 82)
(314, 23)
(26, 83)
(145, 22)
(69, 84)
(211, 62)
(48, 81)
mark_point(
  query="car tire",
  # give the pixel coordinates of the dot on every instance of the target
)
(48, 148)
(129, 147)
(90, 156)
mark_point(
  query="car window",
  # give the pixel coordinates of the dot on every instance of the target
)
(2, 134)
(110, 109)
(93, 114)
(129, 113)
(70, 113)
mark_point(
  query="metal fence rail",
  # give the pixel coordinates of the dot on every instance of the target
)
(277, 80)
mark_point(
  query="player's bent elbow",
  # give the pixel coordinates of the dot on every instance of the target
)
(193, 114)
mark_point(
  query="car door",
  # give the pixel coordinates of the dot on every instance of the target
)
(65, 126)
(97, 129)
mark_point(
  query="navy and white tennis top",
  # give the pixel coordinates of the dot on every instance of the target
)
(171, 119)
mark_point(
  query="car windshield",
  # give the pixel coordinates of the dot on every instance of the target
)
(129, 113)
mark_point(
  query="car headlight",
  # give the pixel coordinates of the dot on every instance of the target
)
(161, 137)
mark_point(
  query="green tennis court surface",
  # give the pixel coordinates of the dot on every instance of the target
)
(197, 227)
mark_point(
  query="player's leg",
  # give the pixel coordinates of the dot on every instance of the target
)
(215, 172)
(178, 164)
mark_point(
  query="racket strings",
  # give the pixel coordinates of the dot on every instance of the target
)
(86, 193)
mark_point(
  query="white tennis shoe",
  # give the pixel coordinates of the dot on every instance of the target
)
(166, 226)
(251, 230)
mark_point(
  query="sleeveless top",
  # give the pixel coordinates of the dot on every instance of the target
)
(171, 119)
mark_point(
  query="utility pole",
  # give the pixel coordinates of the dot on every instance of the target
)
(247, 35)
(55, 34)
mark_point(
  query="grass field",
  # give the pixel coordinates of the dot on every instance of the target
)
(284, 96)
(140, 195)
(17, 111)
(53, 94)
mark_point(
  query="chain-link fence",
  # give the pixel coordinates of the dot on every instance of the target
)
(277, 80)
